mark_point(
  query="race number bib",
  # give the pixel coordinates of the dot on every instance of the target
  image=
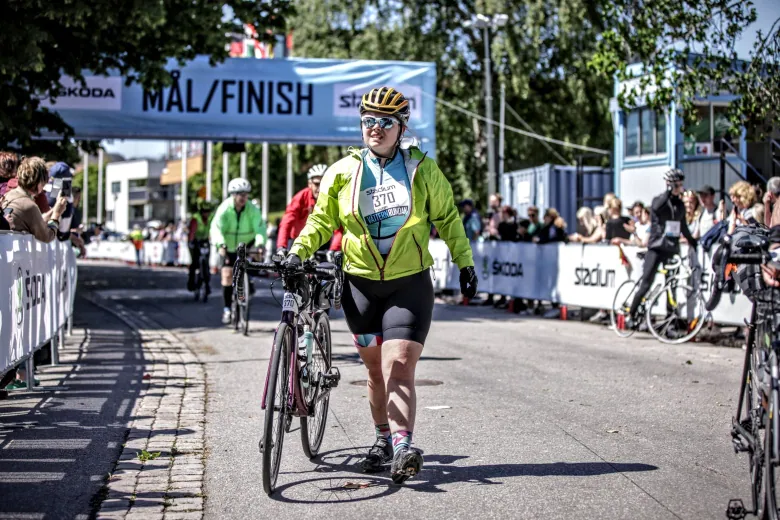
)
(380, 203)
(289, 303)
(672, 229)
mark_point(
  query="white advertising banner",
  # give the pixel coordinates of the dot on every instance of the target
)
(572, 274)
(39, 282)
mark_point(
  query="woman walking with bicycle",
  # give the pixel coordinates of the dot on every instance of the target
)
(386, 197)
(667, 223)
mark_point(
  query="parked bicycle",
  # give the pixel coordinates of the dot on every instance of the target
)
(673, 312)
(754, 427)
(300, 374)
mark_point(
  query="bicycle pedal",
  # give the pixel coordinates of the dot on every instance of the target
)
(332, 378)
(736, 510)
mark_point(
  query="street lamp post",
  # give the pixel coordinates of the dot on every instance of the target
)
(486, 23)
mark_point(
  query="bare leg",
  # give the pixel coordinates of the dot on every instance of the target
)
(377, 397)
(399, 361)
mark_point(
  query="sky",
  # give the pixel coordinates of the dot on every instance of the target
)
(768, 11)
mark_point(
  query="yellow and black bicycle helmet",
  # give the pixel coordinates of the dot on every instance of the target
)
(386, 100)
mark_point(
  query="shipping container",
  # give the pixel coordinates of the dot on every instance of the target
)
(554, 186)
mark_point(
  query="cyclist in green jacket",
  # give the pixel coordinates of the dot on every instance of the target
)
(234, 222)
(386, 198)
(198, 235)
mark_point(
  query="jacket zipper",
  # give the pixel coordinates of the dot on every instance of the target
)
(360, 220)
(419, 250)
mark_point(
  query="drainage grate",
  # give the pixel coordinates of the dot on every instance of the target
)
(417, 382)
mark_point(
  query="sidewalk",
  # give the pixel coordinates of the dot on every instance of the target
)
(114, 431)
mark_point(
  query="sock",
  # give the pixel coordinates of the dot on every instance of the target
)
(402, 439)
(383, 432)
(227, 294)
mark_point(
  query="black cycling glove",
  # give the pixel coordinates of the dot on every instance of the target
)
(292, 260)
(468, 282)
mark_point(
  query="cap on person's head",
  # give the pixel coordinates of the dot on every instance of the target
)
(707, 190)
(60, 170)
(466, 202)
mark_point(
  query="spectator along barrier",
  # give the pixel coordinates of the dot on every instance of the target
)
(583, 275)
(39, 284)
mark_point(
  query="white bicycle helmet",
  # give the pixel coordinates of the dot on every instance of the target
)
(239, 186)
(318, 170)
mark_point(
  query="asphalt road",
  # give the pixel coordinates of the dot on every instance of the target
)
(533, 418)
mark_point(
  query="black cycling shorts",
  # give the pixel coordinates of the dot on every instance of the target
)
(394, 309)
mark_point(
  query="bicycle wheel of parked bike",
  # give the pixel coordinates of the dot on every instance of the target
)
(276, 407)
(618, 314)
(313, 427)
(675, 314)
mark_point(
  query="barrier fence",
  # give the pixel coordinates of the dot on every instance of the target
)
(583, 275)
(39, 282)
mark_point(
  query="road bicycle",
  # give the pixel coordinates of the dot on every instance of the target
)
(239, 307)
(676, 306)
(754, 427)
(202, 273)
(300, 374)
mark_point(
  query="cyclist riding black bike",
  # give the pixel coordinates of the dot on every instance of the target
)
(667, 222)
(198, 235)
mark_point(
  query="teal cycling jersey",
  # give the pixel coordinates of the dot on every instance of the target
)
(384, 200)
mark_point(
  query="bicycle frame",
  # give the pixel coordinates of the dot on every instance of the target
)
(292, 316)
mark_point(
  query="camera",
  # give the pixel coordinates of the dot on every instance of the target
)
(59, 187)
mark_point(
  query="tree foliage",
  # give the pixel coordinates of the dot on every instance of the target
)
(541, 56)
(687, 51)
(44, 40)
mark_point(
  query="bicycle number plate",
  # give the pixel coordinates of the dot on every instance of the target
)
(289, 303)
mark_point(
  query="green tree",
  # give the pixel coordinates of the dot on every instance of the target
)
(44, 40)
(541, 56)
(687, 50)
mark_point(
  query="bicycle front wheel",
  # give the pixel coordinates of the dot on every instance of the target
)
(276, 408)
(675, 314)
(621, 304)
(245, 307)
(313, 427)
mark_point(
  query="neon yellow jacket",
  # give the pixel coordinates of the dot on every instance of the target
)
(432, 203)
(228, 229)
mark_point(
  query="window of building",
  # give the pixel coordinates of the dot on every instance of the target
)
(138, 183)
(645, 132)
(109, 215)
(137, 212)
(713, 126)
(116, 187)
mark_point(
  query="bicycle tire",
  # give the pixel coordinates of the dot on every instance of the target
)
(771, 472)
(312, 432)
(618, 307)
(245, 306)
(275, 408)
(204, 280)
(692, 331)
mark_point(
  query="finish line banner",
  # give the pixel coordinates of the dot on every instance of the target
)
(274, 100)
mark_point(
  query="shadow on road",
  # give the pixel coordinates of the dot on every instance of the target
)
(348, 482)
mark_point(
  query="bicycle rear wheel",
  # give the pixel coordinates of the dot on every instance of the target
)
(203, 280)
(621, 304)
(675, 314)
(313, 427)
(276, 408)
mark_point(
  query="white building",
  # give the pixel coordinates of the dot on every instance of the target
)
(134, 195)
